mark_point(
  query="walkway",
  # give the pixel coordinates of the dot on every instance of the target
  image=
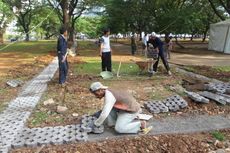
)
(13, 118)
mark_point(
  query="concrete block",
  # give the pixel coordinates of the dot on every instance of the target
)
(197, 98)
(154, 110)
(81, 136)
(219, 99)
(174, 108)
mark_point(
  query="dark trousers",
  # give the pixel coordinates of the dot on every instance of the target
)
(63, 71)
(106, 64)
(164, 60)
(133, 49)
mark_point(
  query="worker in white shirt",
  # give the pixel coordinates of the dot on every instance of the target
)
(105, 52)
(120, 110)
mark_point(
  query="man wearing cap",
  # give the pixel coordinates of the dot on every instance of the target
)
(105, 52)
(158, 46)
(119, 110)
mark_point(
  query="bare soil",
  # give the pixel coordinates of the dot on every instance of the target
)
(13, 66)
(192, 143)
(144, 144)
(209, 72)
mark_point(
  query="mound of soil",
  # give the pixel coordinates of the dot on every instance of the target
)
(144, 144)
(210, 72)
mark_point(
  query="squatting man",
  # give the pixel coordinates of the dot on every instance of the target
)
(120, 110)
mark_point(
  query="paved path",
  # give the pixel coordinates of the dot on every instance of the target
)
(177, 125)
(13, 118)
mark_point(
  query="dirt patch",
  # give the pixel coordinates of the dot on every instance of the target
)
(209, 72)
(24, 71)
(144, 144)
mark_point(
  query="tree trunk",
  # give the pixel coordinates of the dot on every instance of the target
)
(205, 35)
(140, 39)
(178, 44)
(27, 36)
(66, 18)
(191, 39)
(71, 34)
(1, 37)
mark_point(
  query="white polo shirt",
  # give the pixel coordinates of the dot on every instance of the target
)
(105, 44)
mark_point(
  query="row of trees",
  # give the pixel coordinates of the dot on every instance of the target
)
(44, 17)
(162, 16)
(166, 16)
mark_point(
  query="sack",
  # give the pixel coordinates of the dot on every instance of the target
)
(152, 53)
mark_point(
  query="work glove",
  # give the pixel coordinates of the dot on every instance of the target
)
(89, 128)
(97, 114)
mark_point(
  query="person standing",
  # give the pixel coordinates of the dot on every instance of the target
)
(158, 47)
(133, 45)
(62, 55)
(106, 51)
(169, 46)
(144, 45)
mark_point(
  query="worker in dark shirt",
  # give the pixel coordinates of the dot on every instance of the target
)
(62, 55)
(158, 47)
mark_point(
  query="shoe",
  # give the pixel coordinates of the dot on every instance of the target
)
(143, 124)
(146, 130)
(169, 73)
(150, 75)
(63, 85)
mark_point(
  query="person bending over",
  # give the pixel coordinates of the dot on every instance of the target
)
(119, 111)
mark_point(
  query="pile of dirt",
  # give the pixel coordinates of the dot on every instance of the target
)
(209, 72)
(137, 144)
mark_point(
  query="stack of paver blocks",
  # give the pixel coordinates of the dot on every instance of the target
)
(220, 96)
(173, 103)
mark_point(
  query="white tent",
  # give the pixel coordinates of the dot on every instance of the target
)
(219, 39)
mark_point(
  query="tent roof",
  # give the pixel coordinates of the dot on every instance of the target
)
(226, 22)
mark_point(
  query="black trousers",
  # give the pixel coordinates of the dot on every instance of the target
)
(106, 63)
(164, 60)
(63, 70)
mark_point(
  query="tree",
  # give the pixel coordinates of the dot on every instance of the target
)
(219, 6)
(90, 25)
(24, 10)
(130, 15)
(70, 10)
(5, 18)
(48, 28)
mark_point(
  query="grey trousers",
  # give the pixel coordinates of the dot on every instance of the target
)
(123, 121)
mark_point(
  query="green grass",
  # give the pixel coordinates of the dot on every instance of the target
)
(222, 68)
(30, 48)
(93, 67)
(39, 117)
(218, 135)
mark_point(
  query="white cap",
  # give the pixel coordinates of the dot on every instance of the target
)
(153, 34)
(96, 86)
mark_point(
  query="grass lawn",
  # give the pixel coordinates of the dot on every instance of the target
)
(30, 48)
